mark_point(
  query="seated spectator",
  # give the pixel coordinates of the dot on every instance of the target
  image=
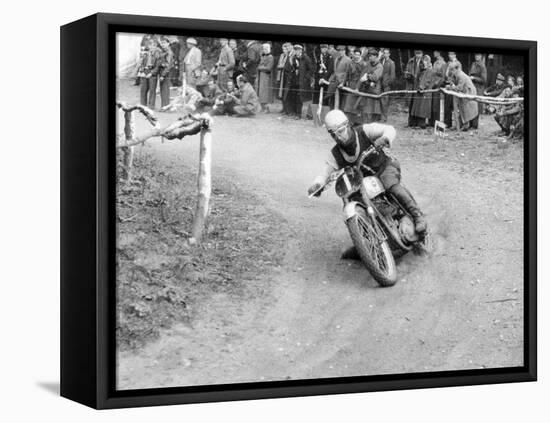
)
(211, 93)
(184, 102)
(248, 103)
(229, 98)
(201, 81)
(496, 89)
(510, 118)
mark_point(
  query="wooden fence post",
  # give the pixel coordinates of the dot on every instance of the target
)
(204, 187)
(128, 152)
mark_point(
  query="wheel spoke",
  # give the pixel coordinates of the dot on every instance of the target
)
(370, 240)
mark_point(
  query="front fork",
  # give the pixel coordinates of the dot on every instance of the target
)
(350, 210)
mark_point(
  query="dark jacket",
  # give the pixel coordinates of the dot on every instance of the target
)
(388, 73)
(298, 74)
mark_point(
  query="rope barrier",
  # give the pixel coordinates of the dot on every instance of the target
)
(479, 98)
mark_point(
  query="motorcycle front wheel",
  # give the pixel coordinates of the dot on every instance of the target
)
(375, 253)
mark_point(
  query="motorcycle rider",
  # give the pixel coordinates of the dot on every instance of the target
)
(350, 143)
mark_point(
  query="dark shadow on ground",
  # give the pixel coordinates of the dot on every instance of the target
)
(51, 387)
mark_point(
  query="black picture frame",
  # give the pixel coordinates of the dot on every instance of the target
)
(88, 215)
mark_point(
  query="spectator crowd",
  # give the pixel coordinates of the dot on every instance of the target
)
(246, 78)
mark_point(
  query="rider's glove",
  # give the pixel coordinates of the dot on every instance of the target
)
(381, 142)
(313, 188)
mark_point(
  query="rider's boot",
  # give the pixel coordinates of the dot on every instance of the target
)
(407, 200)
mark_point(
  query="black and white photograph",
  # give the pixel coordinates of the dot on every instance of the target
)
(297, 209)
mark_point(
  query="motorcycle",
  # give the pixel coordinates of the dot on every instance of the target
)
(380, 227)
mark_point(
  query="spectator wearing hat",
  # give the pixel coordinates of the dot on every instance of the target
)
(225, 63)
(440, 70)
(264, 78)
(298, 81)
(450, 103)
(371, 82)
(388, 78)
(467, 109)
(356, 70)
(422, 102)
(341, 66)
(478, 73)
(497, 88)
(192, 62)
(324, 67)
(251, 60)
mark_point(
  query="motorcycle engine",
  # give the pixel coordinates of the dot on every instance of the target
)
(407, 231)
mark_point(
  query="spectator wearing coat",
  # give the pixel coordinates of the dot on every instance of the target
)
(264, 78)
(249, 103)
(324, 67)
(440, 71)
(388, 78)
(164, 69)
(175, 75)
(225, 63)
(356, 70)
(411, 77)
(497, 88)
(462, 83)
(371, 82)
(280, 76)
(341, 66)
(422, 102)
(298, 81)
(148, 68)
(478, 73)
(250, 62)
(192, 62)
(450, 103)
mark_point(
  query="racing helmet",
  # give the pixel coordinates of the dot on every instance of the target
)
(337, 124)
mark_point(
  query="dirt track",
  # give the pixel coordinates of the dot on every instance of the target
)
(319, 316)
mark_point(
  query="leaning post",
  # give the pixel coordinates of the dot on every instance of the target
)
(128, 152)
(204, 187)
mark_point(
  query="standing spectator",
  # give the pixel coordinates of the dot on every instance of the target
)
(478, 73)
(264, 78)
(192, 62)
(355, 71)
(163, 70)
(450, 101)
(422, 102)
(388, 78)
(148, 83)
(298, 80)
(440, 71)
(341, 66)
(251, 61)
(411, 77)
(226, 63)
(324, 67)
(350, 51)
(498, 87)
(332, 51)
(460, 82)
(175, 75)
(371, 82)
(511, 81)
(280, 77)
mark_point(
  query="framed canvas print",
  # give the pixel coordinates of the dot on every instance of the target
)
(258, 211)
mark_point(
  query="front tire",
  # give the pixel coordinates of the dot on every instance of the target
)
(375, 254)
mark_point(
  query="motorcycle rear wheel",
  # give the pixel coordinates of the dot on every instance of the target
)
(375, 254)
